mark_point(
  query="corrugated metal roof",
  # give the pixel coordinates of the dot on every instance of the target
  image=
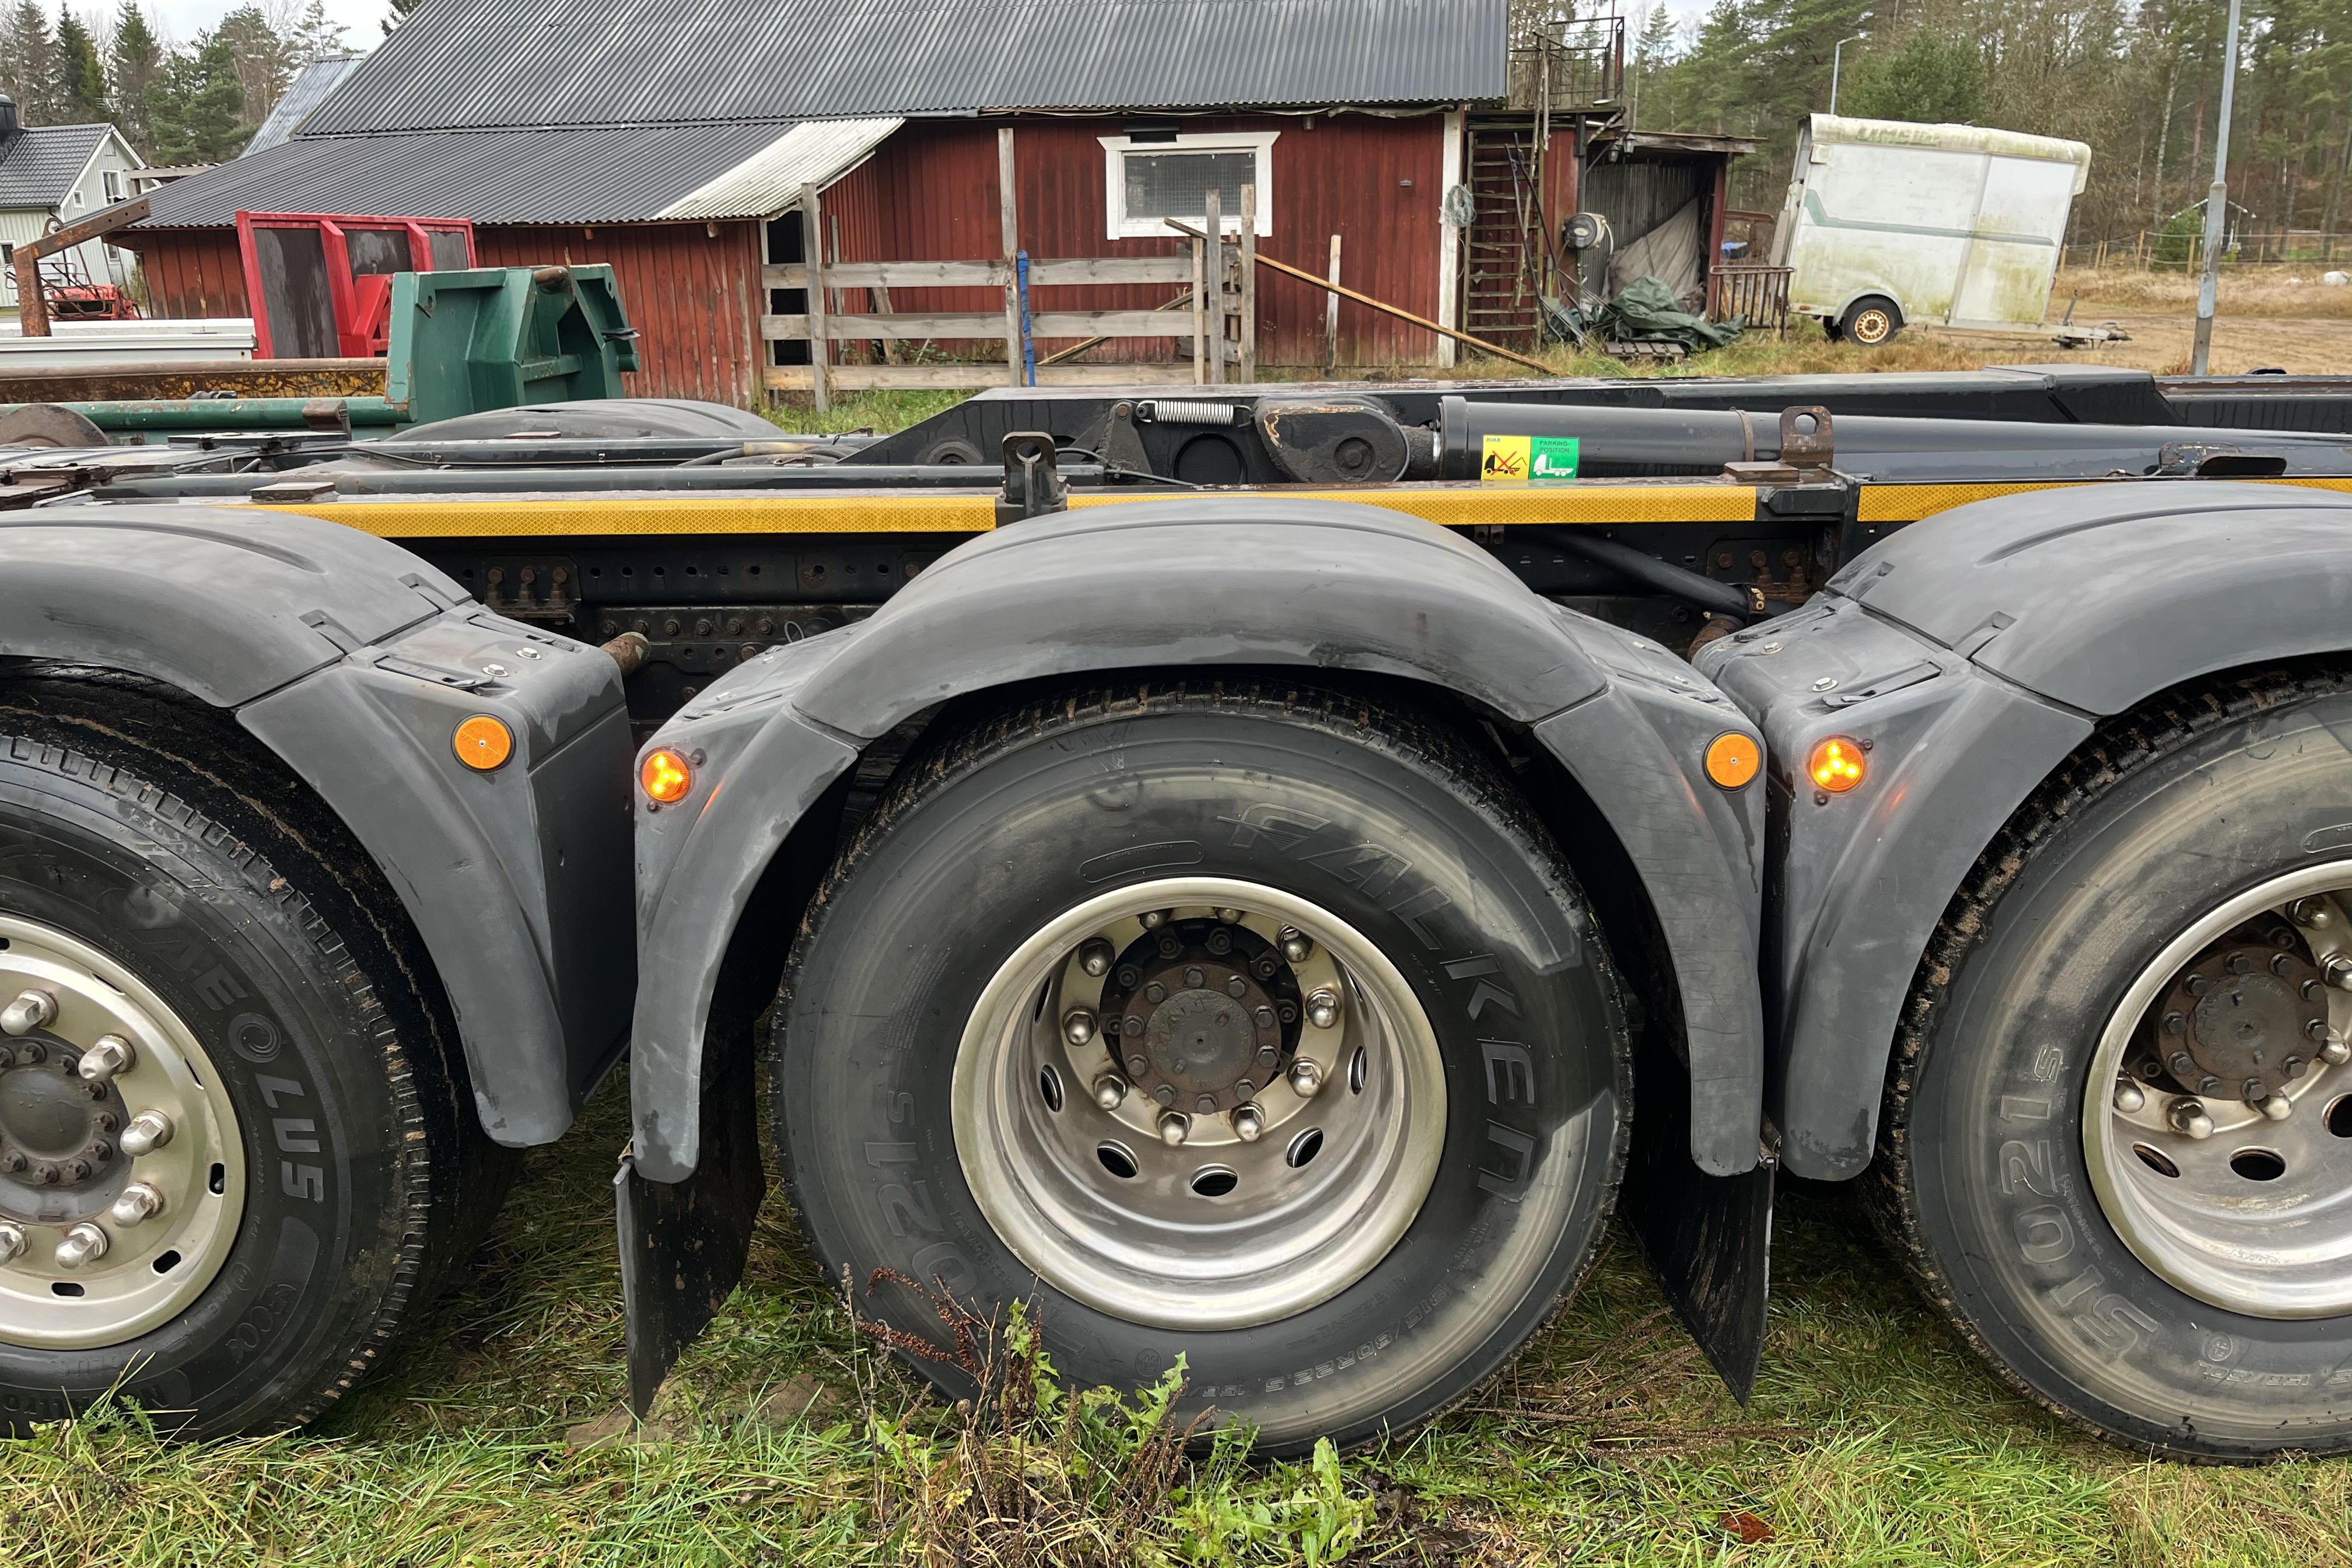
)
(309, 89)
(601, 175)
(39, 165)
(814, 154)
(600, 62)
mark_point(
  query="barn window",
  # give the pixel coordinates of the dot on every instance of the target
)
(1147, 180)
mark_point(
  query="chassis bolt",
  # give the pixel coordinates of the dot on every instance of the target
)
(1306, 1078)
(12, 1241)
(1323, 1009)
(2281, 963)
(111, 1055)
(1095, 957)
(1263, 1017)
(2190, 1117)
(2174, 1023)
(2295, 1067)
(1155, 993)
(2336, 1052)
(1194, 979)
(85, 1243)
(1077, 1025)
(1294, 945)
(1220, 941)
(149, 1130)
(31, 1010)
(2181, 1062)
(2316, 1029)
(1165, 1094)
(140, 1201)
(2129, 1096)
(1174, 1128)
(1249, 1123)
(1236, 986)
(2198, 985)
(2277, 1106)
(1231, 916)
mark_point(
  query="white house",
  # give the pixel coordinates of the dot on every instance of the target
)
(61, 174)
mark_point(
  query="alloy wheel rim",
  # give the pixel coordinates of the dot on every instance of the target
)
(2218, 1127)
(121, 1170)
(1198, 1102)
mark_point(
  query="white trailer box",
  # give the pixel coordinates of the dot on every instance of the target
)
(1951, 226)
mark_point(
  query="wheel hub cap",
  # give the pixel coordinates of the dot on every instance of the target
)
(122, 1175)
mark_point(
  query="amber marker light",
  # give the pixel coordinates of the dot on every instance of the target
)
(665, 776)
(1733, 760)
(1837, 764)
(484, 743)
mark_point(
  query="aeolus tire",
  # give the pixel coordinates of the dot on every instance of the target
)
(234, 1153)
(1256, 1025)
(2080, 1154)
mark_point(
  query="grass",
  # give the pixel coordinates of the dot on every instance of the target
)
(2292, 292)
(1874, 1438)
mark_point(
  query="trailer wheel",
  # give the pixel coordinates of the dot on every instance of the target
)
(2118, 1142)
(1257, 1027)
(232, 1148)
(1870, 320)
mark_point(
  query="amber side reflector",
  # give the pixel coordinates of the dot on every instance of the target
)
(1837, 764)
(484, 743)
(1733, 760)
(665, 776)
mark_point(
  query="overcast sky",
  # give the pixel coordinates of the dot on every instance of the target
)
(184, 19)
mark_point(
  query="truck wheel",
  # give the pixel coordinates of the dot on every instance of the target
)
(2117, 1141)
(1870, 321)
(231, 1148)
(1255, 1026)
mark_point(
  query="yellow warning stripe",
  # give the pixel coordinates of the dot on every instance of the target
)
(1909, 503)
(1450, 506)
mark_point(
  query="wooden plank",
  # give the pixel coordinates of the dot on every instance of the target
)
(894, 275)
(813, 250)
(1249, 285)
(1104, 324)
(979, 374)
(1009, 217)
(915, 324)
(1214, 229)
(1200, 321)
(1047, 274)
(1331, 317)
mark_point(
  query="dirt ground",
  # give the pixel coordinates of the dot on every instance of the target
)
(2273, 317)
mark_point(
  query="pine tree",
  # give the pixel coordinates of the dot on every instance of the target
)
(81, 92)
(28, 64)
(1933, 77)
(197, 106)
(400, 10)
(134, 63)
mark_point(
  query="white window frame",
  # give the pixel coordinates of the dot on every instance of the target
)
(1115, 151)
(113, 181)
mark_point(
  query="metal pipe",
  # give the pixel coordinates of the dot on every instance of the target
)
(2216, 209)
(1837, 60)
(630, 650)
(223, 415)
(1645, 569)
(611, 482)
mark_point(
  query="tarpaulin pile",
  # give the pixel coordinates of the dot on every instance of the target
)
(1646, 311)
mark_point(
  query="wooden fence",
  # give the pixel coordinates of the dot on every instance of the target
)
(1757, 295)
(1216, 316)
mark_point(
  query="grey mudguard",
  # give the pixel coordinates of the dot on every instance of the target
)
(1228, 581)
(355, 663)
(1972, 653)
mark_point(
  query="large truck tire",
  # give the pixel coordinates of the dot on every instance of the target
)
(2117, 1146)
(237, 1146)
(1252, 1024)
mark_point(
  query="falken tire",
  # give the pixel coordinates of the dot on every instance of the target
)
(147, 828)
(1382, 816)
(1983, 1181)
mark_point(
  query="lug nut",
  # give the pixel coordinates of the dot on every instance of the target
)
(2277, 1106)
(2336, 1050)
(1109, 1090)
(1077, 1025)
(1174, 1128)
(2312, 912)
(1095, 957)
(140, 1201)
(2182, 1063)
(1323, 1009)
(12, 1241)
(1306, 1078)
(2129, 1097)
(1230, 916)
(1294, 945)
(31, 1010)
(111, 1055)
(1154, 919)
(83, 1244)
(2174, 1023)
(2338, 971)
(2190, 1117)
(1249, 1123)
(149, 1130)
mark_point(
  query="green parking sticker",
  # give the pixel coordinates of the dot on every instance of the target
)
(1554, 458)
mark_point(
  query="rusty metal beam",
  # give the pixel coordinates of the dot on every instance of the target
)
(32, 307)
(244, 378)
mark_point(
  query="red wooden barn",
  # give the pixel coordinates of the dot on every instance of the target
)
(674, 139)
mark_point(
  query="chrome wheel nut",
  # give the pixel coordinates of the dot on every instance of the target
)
(1323, 1009)
(1294, 945)
(1077, 1025)
(12, 1241)
(149, 1130)
(2336, 1050)
(1249, 1123)
(111, 1055)
(1110, 1090)
(140, 1201)
(1095, 957)
(2129, 1097)
(83, 1244)
(31, 1010)
(1306, 1078)
(1174, 1128)
(2190, 1117)
(2277, 1106)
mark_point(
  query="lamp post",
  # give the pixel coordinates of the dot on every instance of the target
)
(2216, 209)
(1837, 59)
